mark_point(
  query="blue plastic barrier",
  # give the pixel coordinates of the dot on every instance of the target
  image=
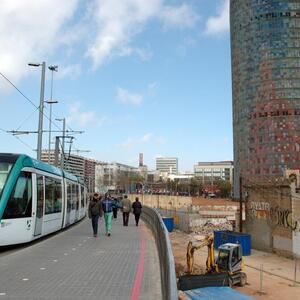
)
(227, 236)
(241, 238)
(169, 222)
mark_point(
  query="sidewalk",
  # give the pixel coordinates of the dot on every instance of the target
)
(75, 265)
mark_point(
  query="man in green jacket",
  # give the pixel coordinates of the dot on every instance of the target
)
(126, 208)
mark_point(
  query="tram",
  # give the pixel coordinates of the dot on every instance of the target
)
(36, 199)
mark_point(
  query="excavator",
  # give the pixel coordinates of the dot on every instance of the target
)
(227, 269)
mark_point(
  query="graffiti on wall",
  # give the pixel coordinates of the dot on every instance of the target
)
(277, 215)
(283, 217)
(260, 210)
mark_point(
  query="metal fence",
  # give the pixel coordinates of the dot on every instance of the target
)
(167, 264)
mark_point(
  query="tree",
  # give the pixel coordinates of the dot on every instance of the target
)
(224, 187)
(195, 187)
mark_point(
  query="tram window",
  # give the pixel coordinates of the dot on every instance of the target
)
(73, 196)
(52, 196)
(77, 196)
(69, 197)
(82, 196)
(20, 203)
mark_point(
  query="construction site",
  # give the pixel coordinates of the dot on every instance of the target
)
(270, 263)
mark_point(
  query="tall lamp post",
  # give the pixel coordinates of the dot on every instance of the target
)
(50, 102)
(41, 108)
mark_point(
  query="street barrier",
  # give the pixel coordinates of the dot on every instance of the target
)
(166, 258)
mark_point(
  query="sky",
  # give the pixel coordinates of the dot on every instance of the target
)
(137, 76)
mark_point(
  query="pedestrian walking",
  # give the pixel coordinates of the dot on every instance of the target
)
(126, 208)
(137, 210)
(115, 207)
(95, 211)
(107, 206)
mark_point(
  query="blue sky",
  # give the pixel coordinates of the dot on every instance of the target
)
(148, 76)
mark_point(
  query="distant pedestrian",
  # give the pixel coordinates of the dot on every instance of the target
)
(107, 206)
(126, 208)
(95, 211)
(137, 210)
(115, 207)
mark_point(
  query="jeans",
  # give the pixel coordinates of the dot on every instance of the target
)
(125, 218)
(137, 217)
(115, 211)
(95, 224)
(108, 219)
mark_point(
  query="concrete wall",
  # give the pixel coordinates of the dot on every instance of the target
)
(188, 217)
(269, 218)
(164, 202)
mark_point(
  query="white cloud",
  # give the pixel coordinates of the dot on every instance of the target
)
(28, 30)
(83, 118)
(182, 16)
(130, 142)
(72, 71)
(146, 138)
(143, 54)
(160, 140)
(119, 21)
(127, 97)
(220, 23)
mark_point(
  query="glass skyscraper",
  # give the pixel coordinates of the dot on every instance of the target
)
(265, 50)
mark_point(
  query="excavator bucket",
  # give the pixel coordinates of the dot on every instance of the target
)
(190, 282)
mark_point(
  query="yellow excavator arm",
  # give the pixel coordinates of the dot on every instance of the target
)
(210, 262)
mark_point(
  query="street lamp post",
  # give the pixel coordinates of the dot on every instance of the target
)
(50, 102)
(41, 108)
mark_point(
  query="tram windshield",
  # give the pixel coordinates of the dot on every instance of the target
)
(6, 163)
(5, 168)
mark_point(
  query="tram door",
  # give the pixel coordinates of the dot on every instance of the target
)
(69, 198)
(39, 205)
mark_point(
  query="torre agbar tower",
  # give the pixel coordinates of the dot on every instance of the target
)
(265, 52)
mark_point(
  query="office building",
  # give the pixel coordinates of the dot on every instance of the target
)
(80, 166)
(167, 165)
(210, 172)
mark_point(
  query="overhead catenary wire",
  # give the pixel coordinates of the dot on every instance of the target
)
(32, 103)
(29, 100)
(29, 116)
(16, 137)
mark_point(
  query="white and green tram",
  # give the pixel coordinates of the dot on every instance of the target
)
(36, 199)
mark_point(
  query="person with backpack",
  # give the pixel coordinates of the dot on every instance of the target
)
(95, 211)
(126, 208)
(137, 210)
(107, 206)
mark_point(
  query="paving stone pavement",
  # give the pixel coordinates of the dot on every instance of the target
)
(74, 265)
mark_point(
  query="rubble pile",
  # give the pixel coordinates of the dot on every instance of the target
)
(210, 225)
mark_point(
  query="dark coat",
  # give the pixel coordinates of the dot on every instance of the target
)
(95, 208)
(137, 207)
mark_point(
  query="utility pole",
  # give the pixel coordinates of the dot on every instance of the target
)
(62, 156)
(41, 108)
(50, 102)
(56, 151)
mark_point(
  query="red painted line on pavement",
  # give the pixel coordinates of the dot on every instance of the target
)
(140, 270)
